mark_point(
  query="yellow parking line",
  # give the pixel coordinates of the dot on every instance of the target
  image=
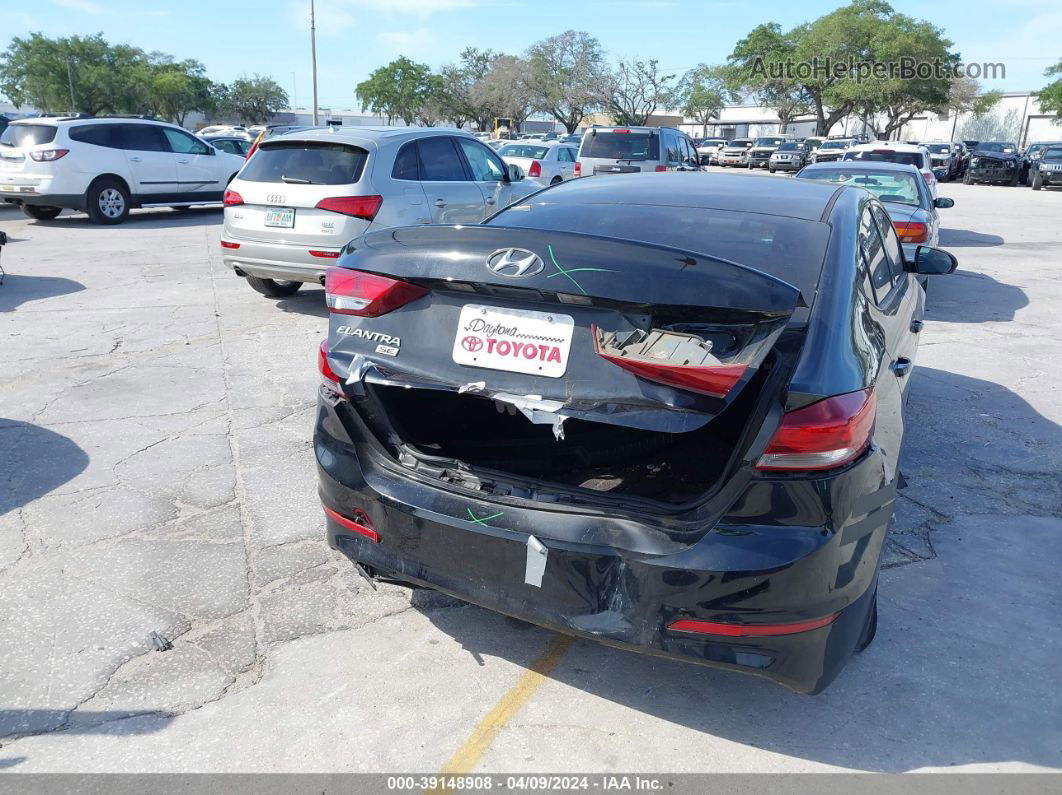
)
(469, 754)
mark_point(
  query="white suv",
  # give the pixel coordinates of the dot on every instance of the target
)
(895, 152)
(105, 166)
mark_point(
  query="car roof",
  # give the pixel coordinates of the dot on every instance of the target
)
(744, 194)
(862, 165)
(369, 135)
(898, 146)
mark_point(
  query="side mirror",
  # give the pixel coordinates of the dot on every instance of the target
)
(943, 203)
(931, 261)
(515, 173)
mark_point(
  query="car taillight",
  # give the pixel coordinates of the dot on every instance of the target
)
(824, 435)
(715, 380)
(929, 177)
(578, 169)
(314, 252)
(911, 231)
(49, 155)
(350, 292)
(620, 130)
(535, 170)
(329, 378)
(360, 524)
(231, 198)
(364, 207)
(229, 244)
(730, 630)
(660, 168)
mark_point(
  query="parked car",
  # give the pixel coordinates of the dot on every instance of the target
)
(495, 399)
(227, 143)
(1046, 168)
(736, 153)
(814, 142)
(708, 149)
(759, 155)
(945, 157)
(547, 163)
(994, 161)
(304, 196)
(572, 138)
(106, 166)
(831, 150)
(789, 156)
(902, 192)
(628, 150)
(890, 152)
(1032, 152)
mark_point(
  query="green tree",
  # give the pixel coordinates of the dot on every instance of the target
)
(748, 74)
(397, 90)
(633, 90)
(1050, 96)
(702, 93)
(502, 91)
(563, 76)
(254, 99)
(176, 89)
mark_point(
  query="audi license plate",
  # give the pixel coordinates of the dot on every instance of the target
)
(516, 340)
(280, 216)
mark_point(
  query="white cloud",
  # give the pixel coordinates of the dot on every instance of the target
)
(411, 43)
(84, 6)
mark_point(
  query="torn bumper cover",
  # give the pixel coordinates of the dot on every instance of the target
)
(620, 580)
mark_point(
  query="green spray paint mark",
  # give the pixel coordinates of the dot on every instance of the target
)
(568, 272)
(483, 519)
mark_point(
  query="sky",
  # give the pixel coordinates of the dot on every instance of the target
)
(271, 37)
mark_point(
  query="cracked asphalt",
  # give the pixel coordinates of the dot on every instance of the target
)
(157, 476)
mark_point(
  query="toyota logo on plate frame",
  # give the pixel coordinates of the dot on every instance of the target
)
(515, 262)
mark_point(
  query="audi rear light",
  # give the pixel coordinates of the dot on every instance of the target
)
(350, 292)
(911, 231)
(329, 379)
(824, 435)
(660, 168)
(229, 244)
(731, 630)
(578, 169)
(231, 198)
(535, 170)
(49, 155)
(360, 524)
(364, 207)
(314, 252)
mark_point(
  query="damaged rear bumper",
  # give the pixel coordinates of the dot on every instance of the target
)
(611, 579)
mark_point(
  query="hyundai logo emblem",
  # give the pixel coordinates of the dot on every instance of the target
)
(515, 262)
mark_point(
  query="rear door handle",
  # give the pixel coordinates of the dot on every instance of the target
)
(440, 203)
(185, 162)
(134, 159)
(901, 367)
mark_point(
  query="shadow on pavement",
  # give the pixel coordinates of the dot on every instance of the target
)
(965, 238)
(34, 462)
(151, 218)
(309, 300)
(971, 297)
(18, 288)
(960, 671)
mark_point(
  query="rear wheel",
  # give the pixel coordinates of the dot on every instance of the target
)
(107, 202)
(1037, 181)
(41, 213)
(871, 627)
(274, 288)
(555, 181)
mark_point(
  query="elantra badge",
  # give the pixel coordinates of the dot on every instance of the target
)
(515, 262)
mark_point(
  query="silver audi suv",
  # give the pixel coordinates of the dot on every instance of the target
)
(301, 197)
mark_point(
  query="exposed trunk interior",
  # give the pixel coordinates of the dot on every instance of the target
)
(606, 459)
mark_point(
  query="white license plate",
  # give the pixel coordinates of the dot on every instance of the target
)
(516, 340)
(281, 216)
(8, 188)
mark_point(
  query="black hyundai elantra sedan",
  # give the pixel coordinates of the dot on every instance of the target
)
(659, 411)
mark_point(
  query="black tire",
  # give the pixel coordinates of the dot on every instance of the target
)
(1014, 180)
(871, 627)
(770, 169)
(272, 287)
(41, 213)
(107, 201)
(966, 179)
(1037, 181)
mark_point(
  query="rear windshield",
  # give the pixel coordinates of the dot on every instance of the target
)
(621, 146)
(887, 156)
(28, 134)
(523, 150)
(788, 248)
(301, 163)
(834, 145)
(888, 186)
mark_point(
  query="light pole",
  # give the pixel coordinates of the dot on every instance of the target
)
(313, 56)
(70, 82)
